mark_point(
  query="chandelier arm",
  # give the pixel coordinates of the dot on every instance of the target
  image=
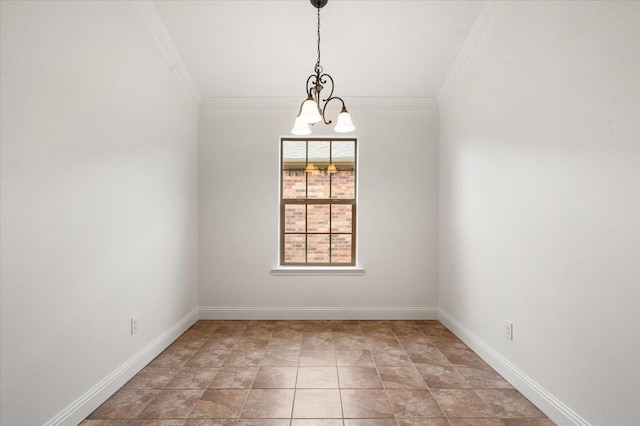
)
(300, 109)
(311, 84)
(326, 102)
(314, 86)
(324, 81)
(309, 90)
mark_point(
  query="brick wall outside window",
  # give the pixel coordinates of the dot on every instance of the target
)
(320, 218)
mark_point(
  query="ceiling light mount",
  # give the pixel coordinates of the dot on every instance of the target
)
(319, 4)
(314, 107)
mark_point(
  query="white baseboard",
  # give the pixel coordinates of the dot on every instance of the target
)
(218, 313)
(544, 400)
(87, 403)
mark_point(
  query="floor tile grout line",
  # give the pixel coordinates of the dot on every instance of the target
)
(384, 389)
(427, 385)
(295, 392)
(339, 387)
(425, 382)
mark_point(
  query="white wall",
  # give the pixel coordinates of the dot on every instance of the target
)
(99, 200)
(539, 200)
(397, 214)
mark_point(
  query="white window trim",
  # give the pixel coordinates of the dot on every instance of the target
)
(321, 270)
(318, 270)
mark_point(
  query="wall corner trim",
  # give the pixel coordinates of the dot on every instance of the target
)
(485, 17)
(87, 403)
(163, 39)
(543, 399)
(317, 313)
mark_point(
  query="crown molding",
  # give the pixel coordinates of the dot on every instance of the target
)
(488, 12)
(241, 104)
(384, 104)
(389, 104)
(161, 36)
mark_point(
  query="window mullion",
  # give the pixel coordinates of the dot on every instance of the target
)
(306, 204)
(330, 205)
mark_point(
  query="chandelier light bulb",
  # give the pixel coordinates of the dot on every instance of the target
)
(344, 123)
(310, 113)
(300, 128)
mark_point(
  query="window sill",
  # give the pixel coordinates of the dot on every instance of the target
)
(317, 270)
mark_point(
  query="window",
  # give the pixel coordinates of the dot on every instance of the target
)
(318, 202)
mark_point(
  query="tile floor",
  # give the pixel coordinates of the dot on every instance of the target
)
(317, 373)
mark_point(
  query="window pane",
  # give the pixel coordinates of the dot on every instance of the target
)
(341, 248)
(341, 218)
(294, 152)
(318, 186)
(318, 181)
(318, 249)
(343, 152)
(294, 248)
(294, 218)
(318, 218)
(319, 152)
(293, 184)
(343, 157)
(343, 184)
(294, 160)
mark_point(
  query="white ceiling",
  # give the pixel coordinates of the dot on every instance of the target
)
(267, 48)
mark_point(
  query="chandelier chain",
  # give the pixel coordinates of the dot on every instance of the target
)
(318, 68)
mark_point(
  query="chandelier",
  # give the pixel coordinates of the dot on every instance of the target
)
(313, 108)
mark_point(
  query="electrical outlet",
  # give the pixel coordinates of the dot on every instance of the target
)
(508, 330)
(134, 324)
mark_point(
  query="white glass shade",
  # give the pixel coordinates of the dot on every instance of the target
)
(310, 113)
(331, 168)
(344, 123)
(310, 168)
(300, 128)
